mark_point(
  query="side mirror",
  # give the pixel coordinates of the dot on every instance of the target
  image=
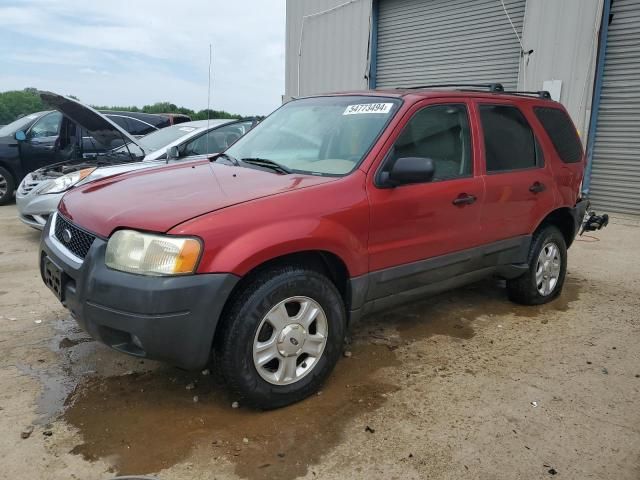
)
(173, 153)
(20, 136)
(408, 170)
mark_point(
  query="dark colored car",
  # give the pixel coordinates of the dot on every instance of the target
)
(332, 208)
(50, 138)
(139, 124)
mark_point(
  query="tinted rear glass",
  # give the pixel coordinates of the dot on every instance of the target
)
(508, 139)
(562, 133)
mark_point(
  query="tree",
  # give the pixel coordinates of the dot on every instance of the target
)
(14, 104)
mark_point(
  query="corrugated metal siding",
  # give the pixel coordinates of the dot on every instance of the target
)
(335, 46)
(444, 41)
(564, 38)
(615, 178)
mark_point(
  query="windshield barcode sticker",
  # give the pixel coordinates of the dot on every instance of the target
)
(368, 108)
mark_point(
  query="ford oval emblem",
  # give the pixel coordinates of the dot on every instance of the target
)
(66, 235)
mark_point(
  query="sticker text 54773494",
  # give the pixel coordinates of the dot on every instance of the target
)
(363, 108)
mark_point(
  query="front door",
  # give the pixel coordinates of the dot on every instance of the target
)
(42, 145)
(413, 225)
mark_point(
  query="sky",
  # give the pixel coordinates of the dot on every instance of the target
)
(138, 52)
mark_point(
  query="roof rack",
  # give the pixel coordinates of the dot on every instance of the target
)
(540, 93)
(492, 87)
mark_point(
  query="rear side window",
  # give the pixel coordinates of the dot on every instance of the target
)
(136, 127)
(508, 139)
(132, 125)
(562, 133)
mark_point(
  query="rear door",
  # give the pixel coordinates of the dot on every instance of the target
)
(518, 180)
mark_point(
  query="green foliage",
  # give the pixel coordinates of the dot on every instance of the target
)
(18, 103)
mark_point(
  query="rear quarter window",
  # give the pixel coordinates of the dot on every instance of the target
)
(562, 133)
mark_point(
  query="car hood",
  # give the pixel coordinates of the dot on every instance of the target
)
(99, 127)
(160, 198)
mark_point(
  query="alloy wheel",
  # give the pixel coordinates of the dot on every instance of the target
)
(548, 269)
(290, 340)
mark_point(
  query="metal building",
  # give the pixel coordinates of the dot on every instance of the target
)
(444, 41)
(561, 45)
(614, 140)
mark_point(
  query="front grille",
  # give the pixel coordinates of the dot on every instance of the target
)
(76, 240)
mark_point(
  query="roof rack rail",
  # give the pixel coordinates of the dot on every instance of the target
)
(540, 93)
(492, 87)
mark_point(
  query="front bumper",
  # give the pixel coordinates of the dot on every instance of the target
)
(34, 209)
(172, 319)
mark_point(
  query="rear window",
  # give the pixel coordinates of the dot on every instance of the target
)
(562, 133)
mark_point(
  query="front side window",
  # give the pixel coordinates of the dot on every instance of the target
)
(321, 135)
(441, 133)
(509, 142)
(216, 140)
(47, 126)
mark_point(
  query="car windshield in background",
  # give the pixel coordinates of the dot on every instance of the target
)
(19, 124)
(164, 137)
(321, 135)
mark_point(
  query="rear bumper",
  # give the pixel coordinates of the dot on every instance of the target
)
(578, 212)
(172, 319)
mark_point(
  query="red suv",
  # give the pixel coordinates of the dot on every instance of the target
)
(333, 207)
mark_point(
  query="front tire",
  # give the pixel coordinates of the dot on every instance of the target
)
(7, 186)
(544, 280)
(281, 337)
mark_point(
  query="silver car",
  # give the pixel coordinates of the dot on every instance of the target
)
(40, 191)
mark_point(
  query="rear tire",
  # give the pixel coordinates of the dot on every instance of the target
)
(7, 186)
(547, 260)
(280, 337)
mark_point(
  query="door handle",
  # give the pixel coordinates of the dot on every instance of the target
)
(464, 199)
(537, 187)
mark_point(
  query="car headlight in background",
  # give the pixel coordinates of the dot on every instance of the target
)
(151, 254)
(65, 182)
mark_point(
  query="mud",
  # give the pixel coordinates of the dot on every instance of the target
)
(124, 418)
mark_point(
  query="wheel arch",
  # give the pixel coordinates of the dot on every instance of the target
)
(564, 220)
(321, 261)
(11, 170)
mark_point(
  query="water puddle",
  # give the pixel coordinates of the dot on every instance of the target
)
(147, 421)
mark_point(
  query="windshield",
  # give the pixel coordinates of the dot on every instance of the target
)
(164, 137)
(322, 135)
(19, 124)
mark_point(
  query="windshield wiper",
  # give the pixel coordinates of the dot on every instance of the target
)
(265, 162)
(228, 157)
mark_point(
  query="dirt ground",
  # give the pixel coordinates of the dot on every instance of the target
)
(462, 385)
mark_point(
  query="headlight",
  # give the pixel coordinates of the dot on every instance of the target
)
(149, 254)
(65, 182)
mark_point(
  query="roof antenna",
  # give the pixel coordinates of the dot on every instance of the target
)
(208, 101)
